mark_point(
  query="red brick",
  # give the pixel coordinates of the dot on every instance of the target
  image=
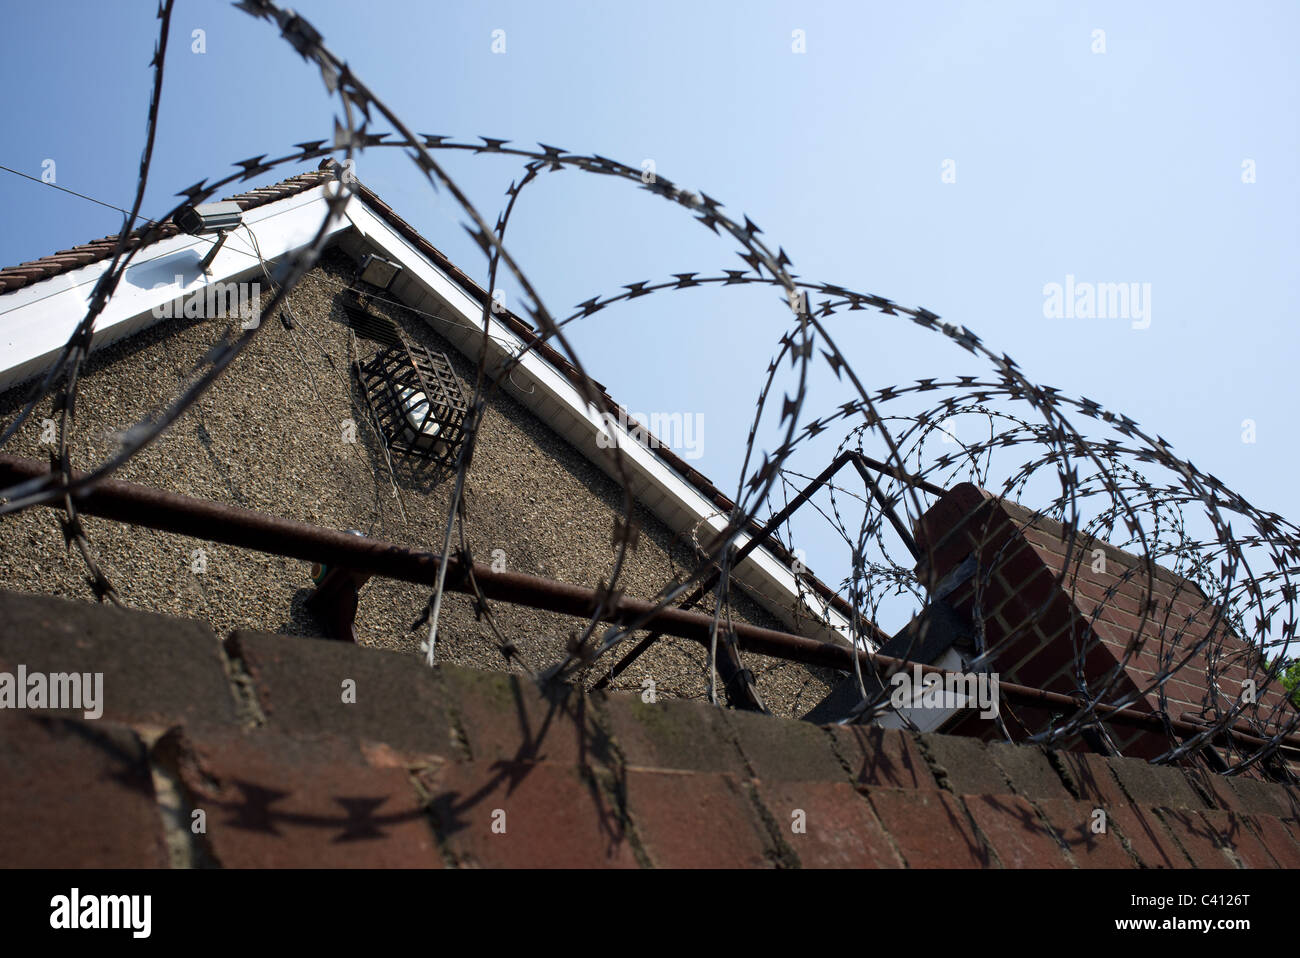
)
(965, 765)
(1054, 561)
(398, 700)
(1277, 839)
(1095, 587)
(882, 756)
(1191, 696)
(1145, 745)
(1016, 642)
(946, 516)
(1025, 720)
(274, 801)
(1201, 612)
(841, 830)
(555, 816)
(1266, 798)
(1196, 837)
(1161, 786)
(76, 794)
(1130, 625)
(1092, 780)
(1021, 563)
(1005, 641)
(930, 829)
(696, 820)
(1029, 769)
(1147, 836)
(671, 734)
(1019, 837)
(1046, 541)
(783, 750)
(506, 717)
(1038, 592)
(159, 670)
(1232, 831)
(989, 529)
(943, 557)
(1027, 656)
(1146, 655)
(1098, 662)
(1072, 822)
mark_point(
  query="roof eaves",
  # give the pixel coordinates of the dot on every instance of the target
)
(64, 261)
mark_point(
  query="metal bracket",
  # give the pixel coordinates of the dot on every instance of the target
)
(205, 264)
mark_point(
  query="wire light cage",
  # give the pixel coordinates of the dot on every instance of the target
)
(417, 400)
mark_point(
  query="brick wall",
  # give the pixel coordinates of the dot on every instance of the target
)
(254, 733)
(1044, 603)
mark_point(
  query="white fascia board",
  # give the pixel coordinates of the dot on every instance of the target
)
(36, 321)
(681, 505)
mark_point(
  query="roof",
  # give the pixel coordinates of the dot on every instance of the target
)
(64, 261)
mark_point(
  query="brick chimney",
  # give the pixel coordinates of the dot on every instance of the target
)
(1042, 610)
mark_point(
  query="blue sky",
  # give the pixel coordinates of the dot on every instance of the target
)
(1122, 166)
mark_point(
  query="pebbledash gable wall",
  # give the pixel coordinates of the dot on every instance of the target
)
(268, 436)
(453, 767)
(1041, 598)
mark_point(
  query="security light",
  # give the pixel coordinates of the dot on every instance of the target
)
(378, 271)
(421, 428)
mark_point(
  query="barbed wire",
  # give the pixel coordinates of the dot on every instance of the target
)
(1181, 605)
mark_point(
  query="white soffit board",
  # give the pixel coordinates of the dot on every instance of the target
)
(36, 321)
(549, 393)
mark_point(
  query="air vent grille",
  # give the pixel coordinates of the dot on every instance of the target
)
(369, 326)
